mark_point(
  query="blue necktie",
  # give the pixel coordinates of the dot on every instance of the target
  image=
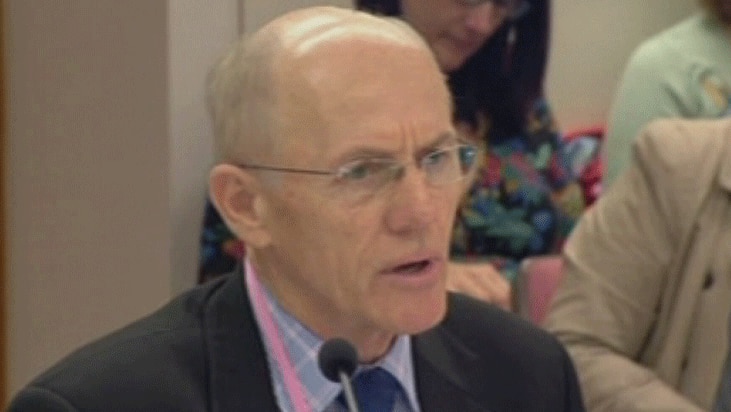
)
(376, 390)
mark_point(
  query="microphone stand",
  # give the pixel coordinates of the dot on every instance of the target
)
(348, 391)
(338, 360)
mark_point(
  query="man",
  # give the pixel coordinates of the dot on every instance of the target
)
(646, 295)
(339, 168)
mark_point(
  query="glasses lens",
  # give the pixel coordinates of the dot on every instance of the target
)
(467, 158)
(514, 9)
(449, 165)
(518, 9)
(367, 176)
(474, 3)
(361, 179)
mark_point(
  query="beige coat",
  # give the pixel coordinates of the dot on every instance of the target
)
(644, 304)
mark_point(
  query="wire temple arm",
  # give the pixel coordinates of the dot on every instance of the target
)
(283, 169)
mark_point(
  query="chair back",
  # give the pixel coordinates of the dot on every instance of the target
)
(537, 281)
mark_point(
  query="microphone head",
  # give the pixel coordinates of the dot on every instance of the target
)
(337, 355)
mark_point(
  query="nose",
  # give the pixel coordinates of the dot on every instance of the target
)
(413, 204)
(484, 19)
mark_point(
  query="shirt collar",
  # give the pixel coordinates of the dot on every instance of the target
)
(303, 346)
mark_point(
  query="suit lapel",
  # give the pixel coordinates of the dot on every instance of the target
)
(239, 375)
(442, 366)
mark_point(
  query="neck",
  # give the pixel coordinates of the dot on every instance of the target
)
(323, 320)
(372, 350)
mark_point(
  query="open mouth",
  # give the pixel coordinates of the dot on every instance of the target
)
(411, 268)
(422, 272)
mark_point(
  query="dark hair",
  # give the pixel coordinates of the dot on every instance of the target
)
(500, 81)
(721, 9)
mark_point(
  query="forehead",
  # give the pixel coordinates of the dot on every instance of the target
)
(344, 91)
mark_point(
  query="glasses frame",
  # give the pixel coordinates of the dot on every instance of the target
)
(516, 8)
(398, 167)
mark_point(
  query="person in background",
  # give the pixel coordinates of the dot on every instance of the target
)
(523, 200)
(644, 304)
(338, 166)
(684, 71)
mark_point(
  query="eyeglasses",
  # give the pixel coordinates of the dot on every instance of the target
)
(365, 177)
(515, 9)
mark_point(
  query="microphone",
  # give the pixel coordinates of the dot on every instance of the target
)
(337, 360)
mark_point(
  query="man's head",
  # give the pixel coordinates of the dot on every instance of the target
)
(339, 171)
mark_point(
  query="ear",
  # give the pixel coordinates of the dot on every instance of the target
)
(237, 196)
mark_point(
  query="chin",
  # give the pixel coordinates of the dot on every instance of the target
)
(451, 65)
(449, 60)
(424, 315)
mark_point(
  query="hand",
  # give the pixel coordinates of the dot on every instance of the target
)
(482, 281)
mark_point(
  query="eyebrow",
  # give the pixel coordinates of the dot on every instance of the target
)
(443, 138)
(450, 137)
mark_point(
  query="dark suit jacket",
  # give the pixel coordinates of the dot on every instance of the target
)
(203, 352)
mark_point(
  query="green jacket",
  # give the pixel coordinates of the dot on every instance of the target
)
(684, 71)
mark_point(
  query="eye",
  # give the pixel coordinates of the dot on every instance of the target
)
(436, 157)
(467, 155)
(362, 169)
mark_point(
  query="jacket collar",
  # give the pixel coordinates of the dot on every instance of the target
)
(446, 378)
(239, 376)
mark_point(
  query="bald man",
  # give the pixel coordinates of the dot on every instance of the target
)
(339, 167)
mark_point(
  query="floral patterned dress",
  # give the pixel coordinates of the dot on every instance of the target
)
(524, 201)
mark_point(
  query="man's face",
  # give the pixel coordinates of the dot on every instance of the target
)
(455, 29)
(365, 267)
